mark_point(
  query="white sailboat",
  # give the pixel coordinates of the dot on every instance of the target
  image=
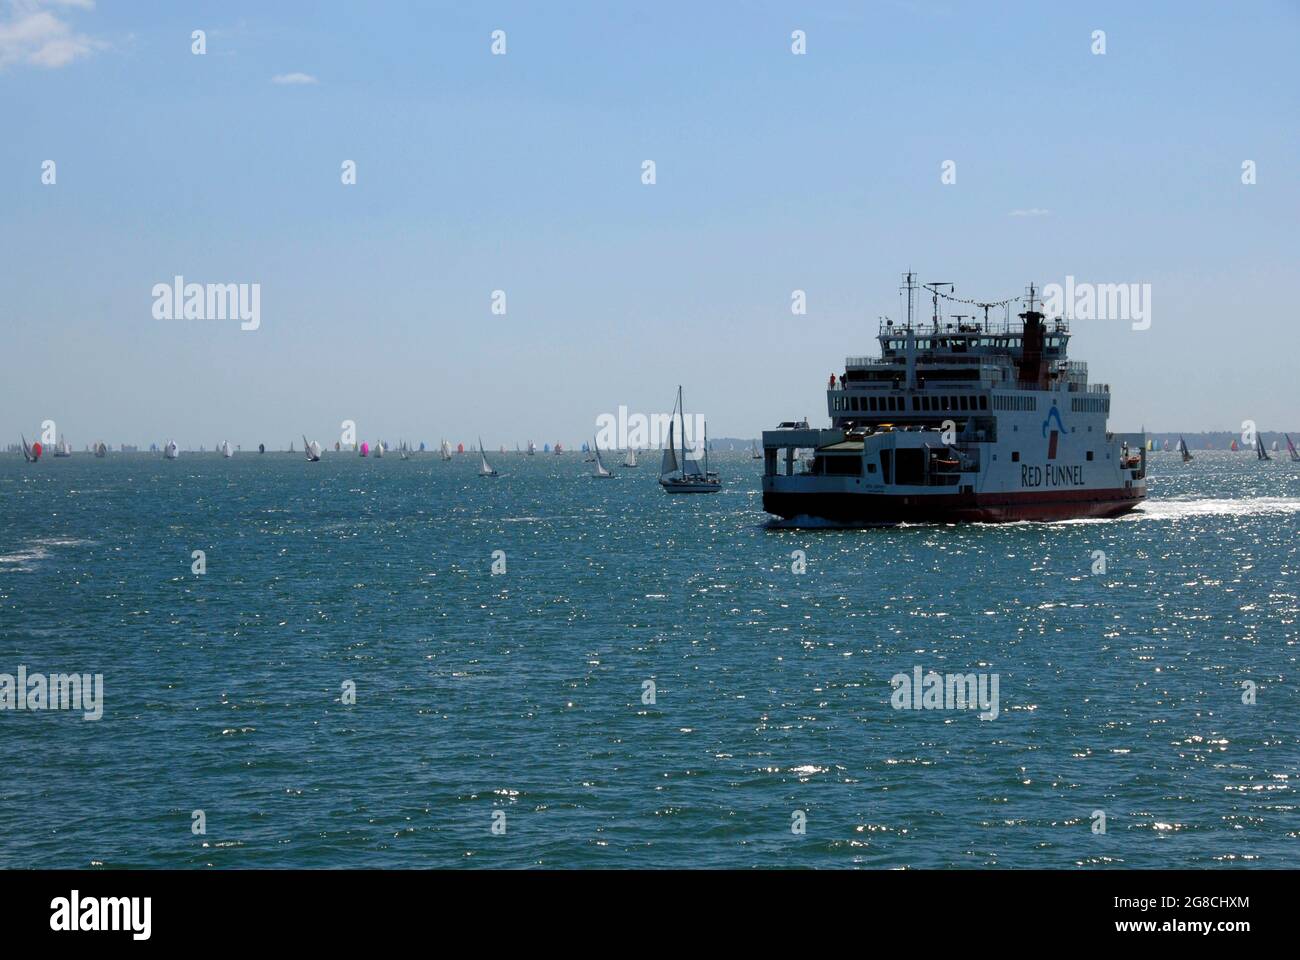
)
(444, 450)
(600, 464)
(101, 449)
(378, 449)
(63, 448)
(312, 448)
(687, 477)
(485, 468)
(226, 450)
(629, 459)
(754, 452)
(532, 449)
(170, 450)
(404, 451)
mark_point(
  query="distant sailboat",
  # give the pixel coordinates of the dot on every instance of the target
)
(1291, 449)
(754, 452)
(532, 449)
(403, 452)
(559, 449)
(261, 448)
(444, 450)
(1260, 452)
(365, 448)
(32, 452)
(485, 468)
(379, 448)
(226, 450)
(1275, 446)
(63, 448)
(170, 450)
(600, 464)
(629, 460)
(1233, 446)
(312, 448)
(686, 477)
(101, 449)
(1182, 448)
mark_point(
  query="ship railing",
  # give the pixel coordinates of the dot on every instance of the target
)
(994, 328)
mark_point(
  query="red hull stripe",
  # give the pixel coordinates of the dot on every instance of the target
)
(951, 508)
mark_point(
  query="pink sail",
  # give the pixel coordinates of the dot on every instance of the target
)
(365, 448)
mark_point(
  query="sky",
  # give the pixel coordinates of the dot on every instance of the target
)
(523, 173)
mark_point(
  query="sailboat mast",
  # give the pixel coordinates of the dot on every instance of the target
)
(681, 411)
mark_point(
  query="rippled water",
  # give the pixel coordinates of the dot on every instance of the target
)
(522, 692)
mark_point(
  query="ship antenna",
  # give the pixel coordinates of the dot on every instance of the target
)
(909, 284)
(934, 290)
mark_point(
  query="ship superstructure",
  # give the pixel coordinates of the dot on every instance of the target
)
(959, 419)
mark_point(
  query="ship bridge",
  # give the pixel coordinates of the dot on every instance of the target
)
(928, 372)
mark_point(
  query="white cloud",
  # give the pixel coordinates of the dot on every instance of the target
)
(1031, 212)
(31, 34)
(292, 78)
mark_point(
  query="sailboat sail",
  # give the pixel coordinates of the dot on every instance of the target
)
(485, 468)
(600, 464)
(1291, 448)
(669, 464)
(630, 459)
(1182, 448)
(1260, 452)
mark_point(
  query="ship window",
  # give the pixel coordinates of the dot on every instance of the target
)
(909, 466)
(871, 468)
(886, 465)
(843, 466)
(1015, 456)
(1089, 454)
(965, 403)
(984, 403)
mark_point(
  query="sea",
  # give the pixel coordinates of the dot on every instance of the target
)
(399, 664)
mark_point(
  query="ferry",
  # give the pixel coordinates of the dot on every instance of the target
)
(955, 422)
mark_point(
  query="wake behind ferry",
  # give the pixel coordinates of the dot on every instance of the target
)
(965, 420)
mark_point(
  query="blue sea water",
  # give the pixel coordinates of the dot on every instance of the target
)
(522, 691)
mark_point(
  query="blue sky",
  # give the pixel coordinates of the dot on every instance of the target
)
(522, 173)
